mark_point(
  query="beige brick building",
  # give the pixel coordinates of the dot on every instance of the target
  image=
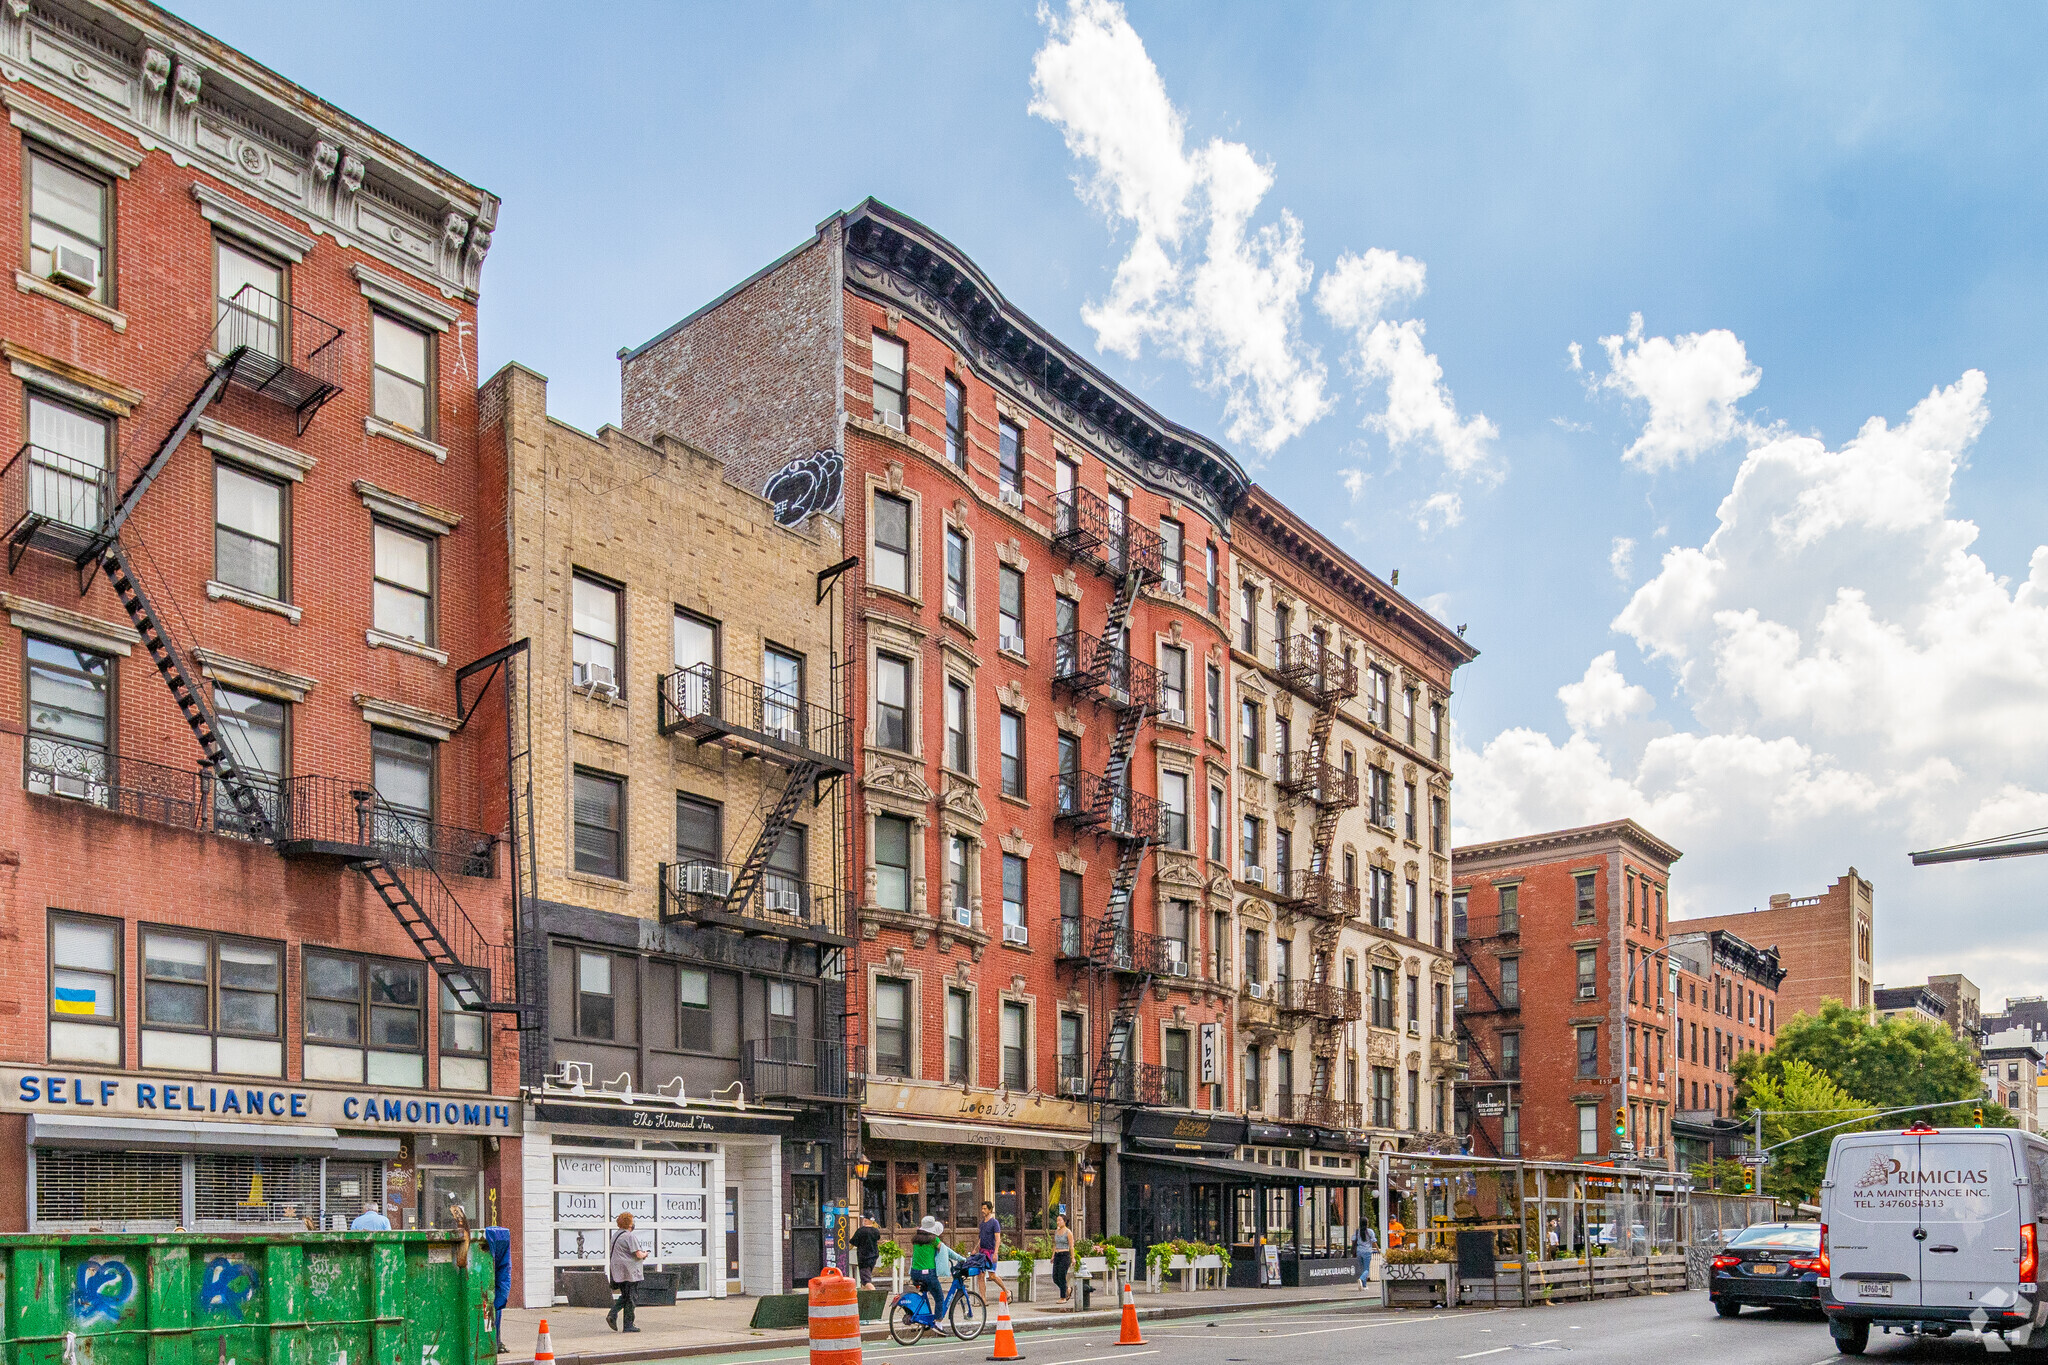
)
(687, 745)
(1826, 943)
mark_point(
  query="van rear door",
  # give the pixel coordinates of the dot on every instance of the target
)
(1873, 1212)
(1969, 1206)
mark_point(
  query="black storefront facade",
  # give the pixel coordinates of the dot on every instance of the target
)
(1288, 1222)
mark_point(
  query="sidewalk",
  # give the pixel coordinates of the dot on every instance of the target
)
(719, 1326)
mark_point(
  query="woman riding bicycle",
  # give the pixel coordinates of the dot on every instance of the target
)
(930, 1260)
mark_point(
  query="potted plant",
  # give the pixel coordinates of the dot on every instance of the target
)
(1418, 1277)
(889, 1257)
(1027, 1257)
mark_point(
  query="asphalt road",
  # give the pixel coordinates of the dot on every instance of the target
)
(1665, 1329)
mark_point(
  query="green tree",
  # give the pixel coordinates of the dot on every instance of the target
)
(1800, 1099)
(1727, 1175)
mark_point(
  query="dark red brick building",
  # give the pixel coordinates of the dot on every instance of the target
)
(1724, 1002)
(1562, 995)
(250, 543)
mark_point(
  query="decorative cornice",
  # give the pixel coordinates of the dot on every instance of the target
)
(237, 219)
(1584, 836)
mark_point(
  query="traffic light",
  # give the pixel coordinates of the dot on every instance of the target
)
(1620, 1124)
(1980, 1116)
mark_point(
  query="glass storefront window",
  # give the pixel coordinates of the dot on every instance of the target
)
(1008, 1201)
(909, 1196)
(938, 1203)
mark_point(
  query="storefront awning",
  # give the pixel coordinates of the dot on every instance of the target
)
(973, 1135)
(1244, 1172)
(163, 1135)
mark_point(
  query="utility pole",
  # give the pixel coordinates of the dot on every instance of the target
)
(1757, 1151)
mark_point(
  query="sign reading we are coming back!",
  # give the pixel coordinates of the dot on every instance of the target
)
(243, 1100)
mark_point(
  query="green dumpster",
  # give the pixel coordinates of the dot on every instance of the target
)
(300, 1298)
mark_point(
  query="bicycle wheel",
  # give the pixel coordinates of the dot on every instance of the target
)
(969, 1315)
(904, 1327)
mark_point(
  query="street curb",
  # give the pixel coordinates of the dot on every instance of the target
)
(1101, 1317)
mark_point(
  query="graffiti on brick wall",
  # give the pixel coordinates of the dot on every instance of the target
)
(805, 486)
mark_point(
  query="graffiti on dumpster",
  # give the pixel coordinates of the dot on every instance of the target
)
(225, 1287)
(103, 1290)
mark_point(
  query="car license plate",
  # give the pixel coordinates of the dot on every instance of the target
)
(1873, 1289)
(1763, 1268)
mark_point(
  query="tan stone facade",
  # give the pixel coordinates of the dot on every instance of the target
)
(1826, 943)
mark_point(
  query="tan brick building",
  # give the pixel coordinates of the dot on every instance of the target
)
(1826, 943)
(688, 751)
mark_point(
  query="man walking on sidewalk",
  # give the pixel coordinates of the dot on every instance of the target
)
(622, 1268)
(990, 1237)
(867, 1249)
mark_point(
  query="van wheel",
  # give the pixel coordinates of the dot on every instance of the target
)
(1727, 1308)
(1851, 1338)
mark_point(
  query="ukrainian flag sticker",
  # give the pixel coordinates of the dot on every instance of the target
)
(75, 999)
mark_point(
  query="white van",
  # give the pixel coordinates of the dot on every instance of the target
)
(1931, 1231)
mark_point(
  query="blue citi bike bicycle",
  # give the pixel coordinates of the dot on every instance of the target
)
(962, 1314)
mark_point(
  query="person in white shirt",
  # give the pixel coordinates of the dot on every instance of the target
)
(371, 1219)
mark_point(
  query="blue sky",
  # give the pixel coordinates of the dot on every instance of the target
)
(1852, 195)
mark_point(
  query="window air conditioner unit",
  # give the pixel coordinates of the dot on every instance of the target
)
(788, 734)
(704, 879)
(1255, 989)
(956, 613)
(1172, 586)
(1587, 992)
(783, 902)
(1176, 715)
(76, 270)
(1177, 968)
(1256, 875)
(1017, 934)
(963, 914)
(1123, 960)
(596, 677)
(1013, 643)
(1414, 1029)
(1012, 497)
(72, 785)
(1074, 1085)
(891, 420)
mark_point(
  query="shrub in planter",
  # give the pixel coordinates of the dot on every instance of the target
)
(1117, 1240)
(888, 1252)
(1413, 1255)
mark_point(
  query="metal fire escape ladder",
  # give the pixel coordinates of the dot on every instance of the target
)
(1325, 939)
(803, 776)
(1116, 944)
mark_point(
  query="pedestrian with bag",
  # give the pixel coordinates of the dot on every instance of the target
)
(622, 1268)
(989, 1239)
(1062, 1254)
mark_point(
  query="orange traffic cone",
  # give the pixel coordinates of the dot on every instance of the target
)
(1006, 1336)
(1129, 1336)
(544, 1350)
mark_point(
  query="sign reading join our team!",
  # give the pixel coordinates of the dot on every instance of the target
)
(221, 1099)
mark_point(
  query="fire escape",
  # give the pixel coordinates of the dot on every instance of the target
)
(1485, 1076)
(1311, 669)
(1120, 960)
(55, 503)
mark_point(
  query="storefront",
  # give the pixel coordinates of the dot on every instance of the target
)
(732, 1197)
(937, 1152)
(148, 1152)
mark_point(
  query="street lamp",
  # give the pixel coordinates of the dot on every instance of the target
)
(860, 1168)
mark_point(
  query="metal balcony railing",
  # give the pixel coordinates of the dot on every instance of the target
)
(1470, 928)
(1114, 944)
(714, 705)
(1319, 893)
(1322, 999)
(279, 351)
(53, 502)
(1087, 528)
(1148, 1083)
(1315, 670)
(1322, 1112)
(1305, 775)
(700, 892)
(801, 1068)
(1092, 801)
(1104, 671)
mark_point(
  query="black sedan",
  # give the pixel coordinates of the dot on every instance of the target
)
(1768, 1265)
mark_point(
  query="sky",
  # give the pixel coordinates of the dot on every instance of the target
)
(1691, 359)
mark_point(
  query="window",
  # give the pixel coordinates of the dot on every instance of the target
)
(1013, 754)
(1172, 540)
(956, 574)
(596, 628)
(253, 728)
(1510, 908)
(596, 1016)
(1249, 741)
(1414, 910)
(1383, 997)
(1629, 903)
(365, 1020)
(959, 749)
(211, 1003)
(1439, 1011)
(1436, 731)
(1436, 919)
(786, 880)
(957, 854)
(1283, 627)
(780, 1001)
(956, 422)
(1376, 690)
(1379, 892)
(402, 374)
(1173, 795)
(403, 603)
(1408, 715)
(1066, 478)
(1283, 1079)
(1173, 682)
(1414, 1101)
(251, 293)
(1175, 1057)
(1251, 841)
(892, 863)
(1072, 1078)
(1588, 984)
(1010, 609)
(696, 647)
(248, 531)
(68, 468)
(1283, 856)
(1459, 979)
(599, 817)
(1439, 841)
(1015, 1030)
(1583, 906)
(1660, 912)
(1511, 1131)
(1510, 982)
(892, 543)
(85, 990)
(1254, 955)
(1414, 1003)
(1254, 1082)
(892, 702)
(1216, 824)
(1010, 458)
(891, 360)
(892, 1028)
(1215, 680)
(957, 1006)
(1209, 570)
(1013, 896)
(1379, 808)
(1248, 619)
(72, 209)
(402, 771)
(1383, 1097)
(693, 1010)
(782, 694)
(1283, 742)
(1589, 1130)
(1176, 922)
(1118, 540)
(69, 714)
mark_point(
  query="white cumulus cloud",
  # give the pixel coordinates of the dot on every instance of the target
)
(1440, 511)
(1622, 557)
(1690, 384)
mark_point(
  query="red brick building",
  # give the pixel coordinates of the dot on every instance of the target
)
(1044, 828)
(1562, 998)
(1724, 1002)
(1827, 943)
(242, 349)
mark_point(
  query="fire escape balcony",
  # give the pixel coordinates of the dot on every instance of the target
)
(1315, 670)
(1101, 942)
(802, 1068)
(279, 352)
(1318, 893)
(1150, 1085)
(1319, 999)
(1087, 529)
(1309, 777)
(715, 706)
(53, 502)
(1322, 1112)
(1094, 802)
(1103, 671)
(700, 892)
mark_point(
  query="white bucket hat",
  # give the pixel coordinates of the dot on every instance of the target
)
(930, 1225)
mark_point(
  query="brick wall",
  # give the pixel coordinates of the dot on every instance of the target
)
(1817, 938)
